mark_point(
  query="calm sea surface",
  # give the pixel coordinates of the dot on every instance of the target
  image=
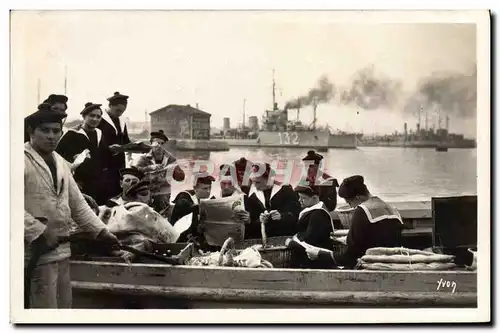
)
(395, 174)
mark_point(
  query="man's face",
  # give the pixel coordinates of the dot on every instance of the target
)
(156, 146)
(305, 200)
(202, 191)
(128, 181)
(117, 110)
(61, 107)
(46, 136)
(261, 183)
(227, 188)
(354, 202)
(93, 118)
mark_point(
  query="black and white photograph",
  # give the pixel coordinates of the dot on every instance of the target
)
(258, 162)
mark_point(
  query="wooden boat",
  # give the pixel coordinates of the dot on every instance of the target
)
(98, 284)
(119, 285)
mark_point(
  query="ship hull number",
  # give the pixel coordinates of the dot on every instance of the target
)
(288, 138)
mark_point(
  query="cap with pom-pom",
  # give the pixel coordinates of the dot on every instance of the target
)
(44, 114)
(54, 98)
(352, 186)
(159, 135)
(313, 156)
(118, 98)
(89, 107)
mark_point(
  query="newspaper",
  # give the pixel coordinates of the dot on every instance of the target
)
(219, 221)
(222, 209)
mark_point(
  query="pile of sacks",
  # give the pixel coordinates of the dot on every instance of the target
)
(137, 225)
(403, 259)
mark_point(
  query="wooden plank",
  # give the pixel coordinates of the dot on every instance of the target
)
(286, 297)
(408, 209)
(417, 232)
(270, 279)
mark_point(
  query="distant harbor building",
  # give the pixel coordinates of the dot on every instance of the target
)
(226, 124)
(253, 123)
(181, 122)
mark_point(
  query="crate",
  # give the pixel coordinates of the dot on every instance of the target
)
(180, 253)
(276, 252)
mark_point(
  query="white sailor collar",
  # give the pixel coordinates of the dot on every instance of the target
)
(79, 129)
(260, 194)
(107, 118)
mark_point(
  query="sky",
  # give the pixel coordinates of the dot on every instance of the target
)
(218, 59)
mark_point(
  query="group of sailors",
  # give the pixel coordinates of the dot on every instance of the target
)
(79, 176)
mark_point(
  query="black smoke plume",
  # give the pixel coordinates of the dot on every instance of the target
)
(452, 93)
(322, 93)
(370, 91)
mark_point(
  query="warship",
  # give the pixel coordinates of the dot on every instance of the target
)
(278, 130)
(438, 138)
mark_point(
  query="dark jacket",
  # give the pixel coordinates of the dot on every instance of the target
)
(186, 203)
(280, 198)
(314, 228)
(327, 188)
(367, 232)
(113, 163)
(90, 173)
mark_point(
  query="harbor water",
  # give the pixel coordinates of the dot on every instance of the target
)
(394, 174)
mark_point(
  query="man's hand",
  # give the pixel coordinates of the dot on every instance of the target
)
(106, 236)
(115, 149)
(243, 216)
(312, 253)
(275, 215)
(48, 238)
(263, 217)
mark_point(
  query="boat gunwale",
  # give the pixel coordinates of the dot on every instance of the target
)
(285, 270)
(297, 297)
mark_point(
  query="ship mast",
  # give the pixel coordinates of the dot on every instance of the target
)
(65, 81)
(274, 93)
(244, 101)
(38, 92)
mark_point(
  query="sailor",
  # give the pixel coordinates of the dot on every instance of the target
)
(159, 166)
(52, 203)
(327, 185)
(55, 103)
(374, 224)
(138, 192)
(271, 203)
(243, 168)
(136, 224)
(114, 133)
(187, 202)
(128, 177)
(229, 186)
(314, 228)
(87, 139)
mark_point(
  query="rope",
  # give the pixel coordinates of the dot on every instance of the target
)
(407, 253)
